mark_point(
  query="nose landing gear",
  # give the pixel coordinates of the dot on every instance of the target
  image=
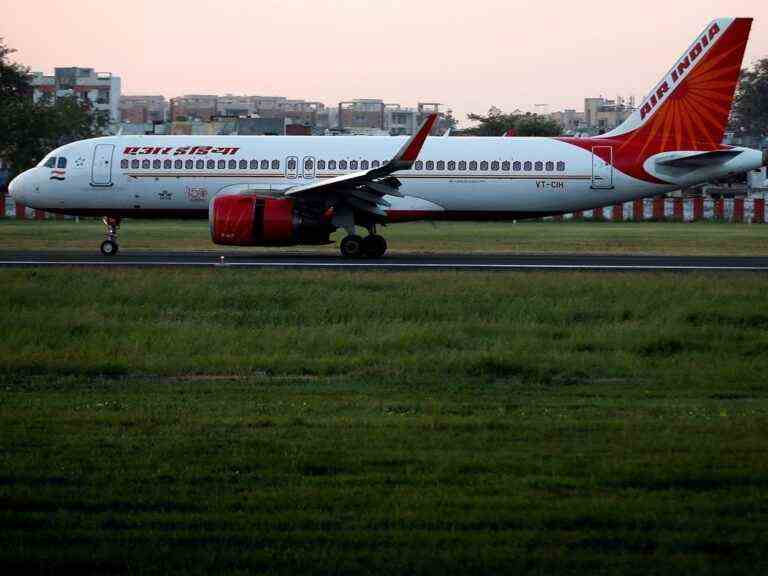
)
(110, 246)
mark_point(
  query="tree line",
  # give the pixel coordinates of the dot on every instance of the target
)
(29, 129)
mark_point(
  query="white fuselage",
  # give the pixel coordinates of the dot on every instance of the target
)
(457, 177)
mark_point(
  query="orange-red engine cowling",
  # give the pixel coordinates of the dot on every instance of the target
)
(249, 220)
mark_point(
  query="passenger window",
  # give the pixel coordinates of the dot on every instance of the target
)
(211, 164)
(62, 163)
(561, 166)
(331, 164)
(254, 164)
(188, 164)
(51, 162)
(309, 165)
(473, 165)
(528, 166)
(221, 164)
(452, 165)
(419, 165)
(134, 163)
(517, 166)
(243, 164)
(145, 164)
(494, 165)
(232, 165)
(375, 164)
(200, 164)
(342, 164)
(364, 165)
(550, 166)
(292, 164)
(440, 165)
(483, 165)
(265, 164)
(505, 165)
(321, 164)
(462, 164)
(275, 164)
(167, 164)
(177, 164)
(123, 163)
(353, 164)
(156, 164)
(539, 166)
(430, 164)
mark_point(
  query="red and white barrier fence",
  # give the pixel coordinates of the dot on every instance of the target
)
(746, 210)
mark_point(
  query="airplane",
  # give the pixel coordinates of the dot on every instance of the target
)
(291, 190)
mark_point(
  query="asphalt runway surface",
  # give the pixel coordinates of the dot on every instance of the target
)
(410, 261)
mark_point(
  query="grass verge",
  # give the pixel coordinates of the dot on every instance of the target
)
(700, 238)
(275, 422)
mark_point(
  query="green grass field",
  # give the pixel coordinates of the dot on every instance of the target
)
(312, 422)
(701, 238)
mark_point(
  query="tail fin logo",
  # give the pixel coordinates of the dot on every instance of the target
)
(679, 72)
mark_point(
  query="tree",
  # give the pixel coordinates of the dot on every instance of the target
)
(28, 129)
(496, 123)
(750, 108)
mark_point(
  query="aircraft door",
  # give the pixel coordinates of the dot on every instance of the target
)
(101, 168)
(602, 167)
(291, 167)
(308, 167)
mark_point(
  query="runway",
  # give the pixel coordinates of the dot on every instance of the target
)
(403, 262)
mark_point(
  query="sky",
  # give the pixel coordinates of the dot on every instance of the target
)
(468, 55)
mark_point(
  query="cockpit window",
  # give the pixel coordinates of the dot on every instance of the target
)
(51, 162)
(62, 162)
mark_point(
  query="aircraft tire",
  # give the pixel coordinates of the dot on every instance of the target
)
(109, 247)
(374, 246)
(352, 246)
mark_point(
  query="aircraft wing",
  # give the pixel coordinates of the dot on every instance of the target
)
(365, 190)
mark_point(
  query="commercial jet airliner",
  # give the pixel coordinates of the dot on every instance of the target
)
(266, 191)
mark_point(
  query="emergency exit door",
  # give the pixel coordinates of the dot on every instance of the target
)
(602, 167)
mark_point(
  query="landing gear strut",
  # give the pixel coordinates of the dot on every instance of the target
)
(110, 246)
(372, 246)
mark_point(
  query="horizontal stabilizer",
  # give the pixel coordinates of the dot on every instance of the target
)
(697, 159)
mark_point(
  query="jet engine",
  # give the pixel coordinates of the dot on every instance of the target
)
(250, 220)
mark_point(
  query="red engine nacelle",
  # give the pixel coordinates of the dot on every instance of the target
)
(246, 220)
(249, 220)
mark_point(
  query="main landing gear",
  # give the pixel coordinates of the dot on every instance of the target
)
(110, 246)
(372, 246)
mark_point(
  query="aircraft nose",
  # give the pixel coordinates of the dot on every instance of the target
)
(16, 188)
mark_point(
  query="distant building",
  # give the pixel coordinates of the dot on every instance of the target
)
(101, 90)
(573, 122)
(143, 109)
(261, 126)
(370, 115)
(601, 115)
(201, 107)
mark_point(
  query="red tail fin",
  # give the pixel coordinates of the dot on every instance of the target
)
(689, 108)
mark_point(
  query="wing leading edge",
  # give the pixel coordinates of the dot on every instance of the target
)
(365, 190)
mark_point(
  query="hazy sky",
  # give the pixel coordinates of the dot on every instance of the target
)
(469, 55)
